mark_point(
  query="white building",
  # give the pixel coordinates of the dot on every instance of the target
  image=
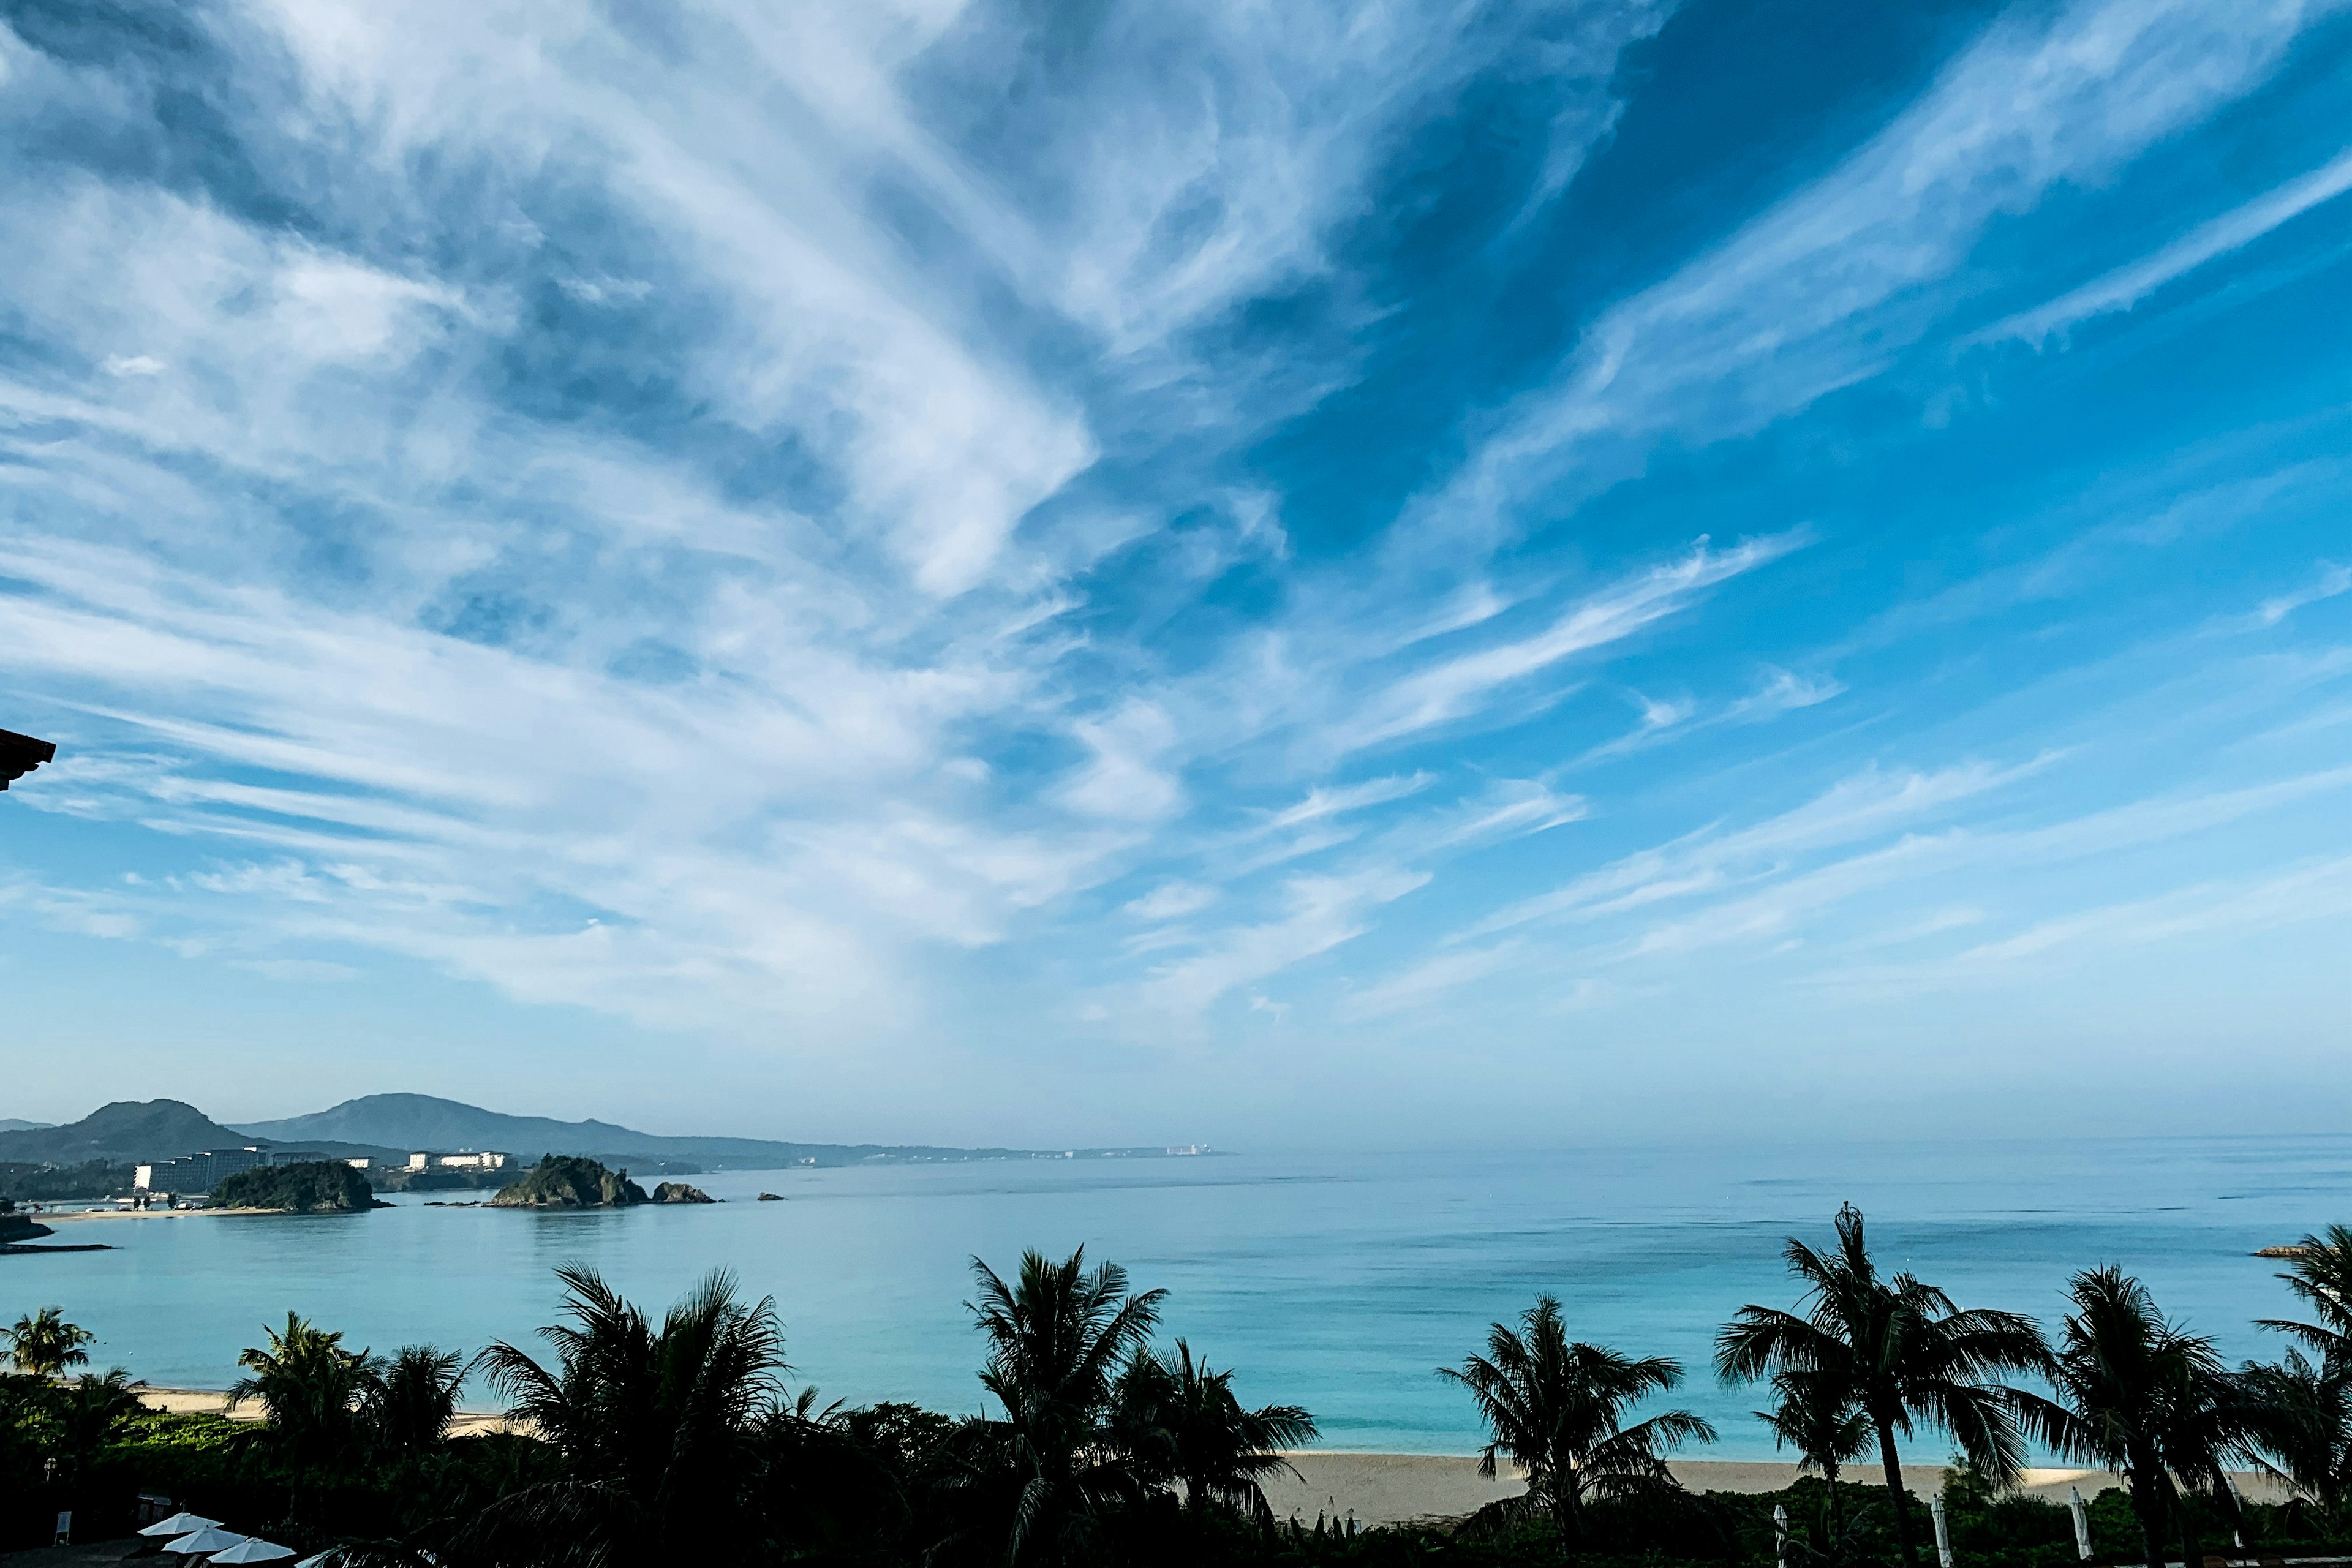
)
(468, 1161)
(200, 1172)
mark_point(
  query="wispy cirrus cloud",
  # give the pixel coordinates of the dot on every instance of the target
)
(1822, 288)
(882, 517)
(1462, 685)
(2127, 285)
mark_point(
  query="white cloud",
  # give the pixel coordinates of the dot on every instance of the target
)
(299, 971)
(2332, 580)
(1170, 900)
(1458, 687)
(1324, 801)
(1427, 981)
(1126, 778)
(1821, 289)
(1318, 914)
(639, 546)
(2126, 285)
(1785, 692)
(1864, 805)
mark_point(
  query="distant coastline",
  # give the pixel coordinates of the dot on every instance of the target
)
(414, 1141)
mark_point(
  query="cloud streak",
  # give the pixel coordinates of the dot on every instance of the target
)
(993, 532)
(2126, 285)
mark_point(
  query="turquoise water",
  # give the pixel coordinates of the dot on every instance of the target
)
(1334, 1281)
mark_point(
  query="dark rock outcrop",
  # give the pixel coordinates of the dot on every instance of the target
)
(569, 1182)
(679, 1192)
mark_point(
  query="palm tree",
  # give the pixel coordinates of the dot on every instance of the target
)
(2306, 1411)
(1817, 1414)
(1913, 1356)
(2140, 1397)
(88, 1413)
(1178, 1419)
(658, 1428)
(1057, 1338)
(2321, 1275)
(1556, 1409)
(311, 1386)
(416, 1398)
(45, 1344)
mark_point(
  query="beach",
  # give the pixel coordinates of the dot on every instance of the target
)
(215, 1402)
(1397, 1489)
(66, 1216)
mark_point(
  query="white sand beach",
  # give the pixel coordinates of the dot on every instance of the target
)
(1393, 1489)
(215, 1402)
(1397, 1489)
(67, 1216)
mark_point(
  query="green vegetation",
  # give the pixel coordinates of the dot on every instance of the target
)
(656, 1430)
(309, 1385)
(1556, 1411)
(1899, 1353)
(677, 1440)
(45, 1344)
(570, 1182)
(315, 1186)
(2140, 1397)
(459, 1178)
(29, 1181)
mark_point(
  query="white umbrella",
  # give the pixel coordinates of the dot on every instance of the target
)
(180, 1524)
(203, 1542)
(255, 1551)
(319, 1560)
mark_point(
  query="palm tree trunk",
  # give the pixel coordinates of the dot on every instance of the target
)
(2147, 1506)
(1903, 1550)
(2188, 1554)
(1566, 1517)
(1837, 1515)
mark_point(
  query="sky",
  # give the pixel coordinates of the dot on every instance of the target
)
(1414, 573)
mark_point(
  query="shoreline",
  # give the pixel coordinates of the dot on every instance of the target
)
(1401, 1488)
(215, 1402)
(69, 1216)
(1377, 1488)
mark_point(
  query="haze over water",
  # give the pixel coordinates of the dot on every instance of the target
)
(1338, 1282)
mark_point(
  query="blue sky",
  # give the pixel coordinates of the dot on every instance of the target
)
(1391, 573)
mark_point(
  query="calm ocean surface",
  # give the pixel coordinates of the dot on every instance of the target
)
(1338, 1282)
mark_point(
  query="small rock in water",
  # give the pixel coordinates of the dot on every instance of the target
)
(772, 1197)
(679, 1192)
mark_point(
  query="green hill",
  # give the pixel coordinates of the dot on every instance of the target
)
(322, 1186)
(125, 1132)
(569, 1182)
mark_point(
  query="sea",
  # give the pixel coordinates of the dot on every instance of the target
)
(1338, 1281)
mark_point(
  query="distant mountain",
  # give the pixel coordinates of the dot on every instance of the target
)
(12, 1124)
(128, 1132)
(420, 1121)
